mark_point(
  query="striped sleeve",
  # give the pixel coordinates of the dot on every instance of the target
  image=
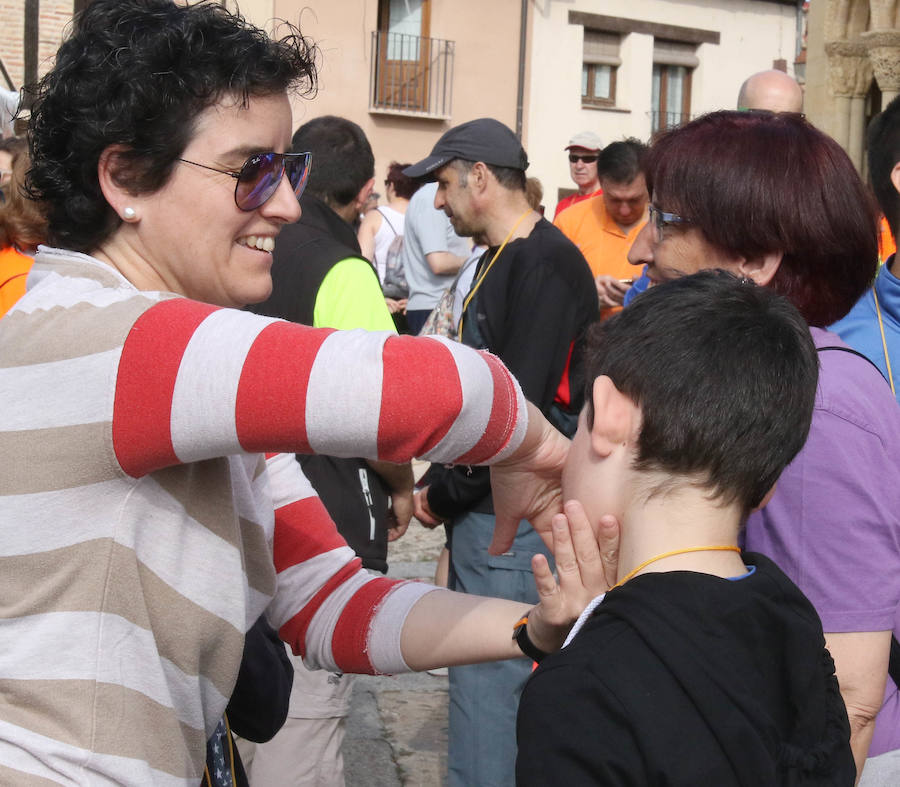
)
(325, 601)
(195, 382)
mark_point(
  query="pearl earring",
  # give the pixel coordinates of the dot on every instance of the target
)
(129, 213)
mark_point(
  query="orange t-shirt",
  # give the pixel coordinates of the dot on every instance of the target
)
(573, 199)
(14, 267)
(603, 244)
(886, 244)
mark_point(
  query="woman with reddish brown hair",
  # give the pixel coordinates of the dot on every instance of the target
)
(772, 199)
(22, 227)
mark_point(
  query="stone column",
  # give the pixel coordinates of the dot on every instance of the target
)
(850, 73)
(842, 121)
(857, 139)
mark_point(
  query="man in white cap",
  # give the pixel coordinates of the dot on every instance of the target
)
(583, 149)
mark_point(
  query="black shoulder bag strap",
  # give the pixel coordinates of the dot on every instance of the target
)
(894, 658)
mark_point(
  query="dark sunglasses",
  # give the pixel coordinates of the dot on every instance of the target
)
(573, 157)
(260, 175)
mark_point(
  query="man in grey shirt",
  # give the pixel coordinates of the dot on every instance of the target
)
(432, 255)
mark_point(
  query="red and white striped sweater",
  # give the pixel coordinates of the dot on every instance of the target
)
(137, 536)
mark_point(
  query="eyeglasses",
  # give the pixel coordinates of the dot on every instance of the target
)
(260, 175)
(573, 157)
(659, 219)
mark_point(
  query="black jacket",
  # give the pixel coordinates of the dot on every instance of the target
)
(304, 253)
(681, 679)
(531, 310)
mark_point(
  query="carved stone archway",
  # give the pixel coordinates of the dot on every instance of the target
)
(862, 39)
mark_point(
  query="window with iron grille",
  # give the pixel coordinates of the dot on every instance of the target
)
(673, 64)
(410, 71)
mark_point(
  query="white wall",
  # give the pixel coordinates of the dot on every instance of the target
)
(752, 35)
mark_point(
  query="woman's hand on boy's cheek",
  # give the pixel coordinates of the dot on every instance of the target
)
(586, 566)
(528, 484)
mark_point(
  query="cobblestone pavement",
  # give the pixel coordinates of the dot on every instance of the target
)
(397, 729)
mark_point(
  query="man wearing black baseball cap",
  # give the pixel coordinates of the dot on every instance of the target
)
(530, 302)
(484, 139)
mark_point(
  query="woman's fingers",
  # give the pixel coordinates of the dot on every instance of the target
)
(608, 541)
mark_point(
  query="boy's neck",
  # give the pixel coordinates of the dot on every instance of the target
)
(684, 518)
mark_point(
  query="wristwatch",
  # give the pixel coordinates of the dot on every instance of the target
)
(520, 635)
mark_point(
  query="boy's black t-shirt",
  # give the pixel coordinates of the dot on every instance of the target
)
(682, 678)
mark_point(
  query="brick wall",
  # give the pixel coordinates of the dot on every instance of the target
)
(54, 16)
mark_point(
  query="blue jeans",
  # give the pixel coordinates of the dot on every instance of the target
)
(415, 319)
(484, 698)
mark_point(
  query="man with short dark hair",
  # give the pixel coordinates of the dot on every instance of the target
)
(320, 278)
(605, 226)
(530, 302)
(873, 324)
(583, 149)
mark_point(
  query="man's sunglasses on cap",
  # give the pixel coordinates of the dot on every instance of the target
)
(260, 175)
(587, 158)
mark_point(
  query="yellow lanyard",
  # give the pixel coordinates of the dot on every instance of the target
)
(459, 330)
(887, 358)
(670, 554)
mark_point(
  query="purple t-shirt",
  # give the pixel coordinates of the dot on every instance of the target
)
(833, 525)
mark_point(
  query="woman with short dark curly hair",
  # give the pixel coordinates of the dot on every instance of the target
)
(146, 518)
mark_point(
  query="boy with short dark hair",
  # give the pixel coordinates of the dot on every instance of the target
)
(702, 665)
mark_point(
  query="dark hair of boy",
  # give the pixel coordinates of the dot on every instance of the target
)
(342, 158)
(725, 374)
(884, 153)
(622, 161)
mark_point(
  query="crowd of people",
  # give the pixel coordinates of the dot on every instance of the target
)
(663, 432)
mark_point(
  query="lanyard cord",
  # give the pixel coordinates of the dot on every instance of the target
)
(230, 755)
(887, 358)
(646, 563)
(459, 330)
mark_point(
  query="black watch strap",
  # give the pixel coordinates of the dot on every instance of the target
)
(520, 635)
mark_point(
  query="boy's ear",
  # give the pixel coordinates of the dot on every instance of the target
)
(615, 417)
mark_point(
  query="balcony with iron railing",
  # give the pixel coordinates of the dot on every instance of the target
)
(411, 75)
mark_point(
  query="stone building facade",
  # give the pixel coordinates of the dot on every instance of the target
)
(853, 67)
